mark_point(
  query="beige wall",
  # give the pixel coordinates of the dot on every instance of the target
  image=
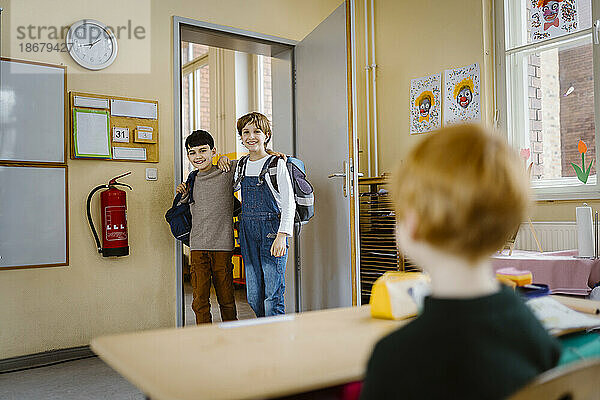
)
(560, 210)
(414, 39)
(50, 308)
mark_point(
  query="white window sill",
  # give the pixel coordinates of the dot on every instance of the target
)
(566, 189)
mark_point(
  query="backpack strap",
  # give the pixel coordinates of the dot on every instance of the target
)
(273, 173)
(190, 185)
(241, 171)
(270, 167)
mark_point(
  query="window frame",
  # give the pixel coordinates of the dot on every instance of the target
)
(566, 188)
(193, 67)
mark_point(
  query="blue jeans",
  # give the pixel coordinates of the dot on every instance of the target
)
(259, 223)
(265, 274)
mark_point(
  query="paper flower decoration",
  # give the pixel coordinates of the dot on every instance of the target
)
(582, 173)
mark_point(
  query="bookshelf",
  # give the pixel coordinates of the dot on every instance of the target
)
(378, 251)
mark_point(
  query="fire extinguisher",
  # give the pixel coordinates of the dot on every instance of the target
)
(113, 209)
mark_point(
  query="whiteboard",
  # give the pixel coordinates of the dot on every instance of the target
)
(33, 216)
(32, 112)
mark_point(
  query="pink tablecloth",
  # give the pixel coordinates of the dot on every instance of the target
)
(561, 271)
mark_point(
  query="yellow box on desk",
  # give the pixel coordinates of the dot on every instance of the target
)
(396, 295)
(519, 277)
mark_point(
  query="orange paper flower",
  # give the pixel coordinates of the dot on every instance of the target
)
(582, 172)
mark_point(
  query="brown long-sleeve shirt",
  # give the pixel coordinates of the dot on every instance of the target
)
(212, 211)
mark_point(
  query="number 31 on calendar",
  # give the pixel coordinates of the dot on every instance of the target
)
(120, 135)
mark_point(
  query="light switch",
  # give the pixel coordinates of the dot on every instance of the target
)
(151, 174)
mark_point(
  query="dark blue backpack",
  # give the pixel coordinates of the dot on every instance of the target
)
(179, 216)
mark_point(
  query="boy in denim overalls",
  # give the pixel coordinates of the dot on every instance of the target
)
(266, 221)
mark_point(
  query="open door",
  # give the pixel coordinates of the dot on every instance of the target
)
(324, 141)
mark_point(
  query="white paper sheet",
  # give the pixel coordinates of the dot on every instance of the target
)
(92, 134)
(133, 109)
(90, 102)
(462, 101)
(129, 153)
(425, 104)
(557, 317)
(551, 18)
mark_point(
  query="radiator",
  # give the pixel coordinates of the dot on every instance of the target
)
(553, 236)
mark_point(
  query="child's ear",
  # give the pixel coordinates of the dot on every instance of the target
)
(214, 151)
(411, 222)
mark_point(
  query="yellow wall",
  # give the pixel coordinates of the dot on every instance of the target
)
(51, 308)
(560, 210)
(414, 39)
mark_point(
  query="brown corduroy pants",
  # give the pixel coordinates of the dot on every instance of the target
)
(216, 266)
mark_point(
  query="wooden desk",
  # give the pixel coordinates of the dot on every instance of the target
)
(288, 355)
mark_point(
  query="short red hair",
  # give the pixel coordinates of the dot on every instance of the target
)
(467, 188)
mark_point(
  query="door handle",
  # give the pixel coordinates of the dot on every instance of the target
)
(596, 30)
(344, 175)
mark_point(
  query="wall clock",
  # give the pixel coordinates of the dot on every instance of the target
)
(91, 44)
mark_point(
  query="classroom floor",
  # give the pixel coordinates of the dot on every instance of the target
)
(91, 378)
(241, 304)
(86, 379)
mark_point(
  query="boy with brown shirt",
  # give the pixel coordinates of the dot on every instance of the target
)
(211, 237)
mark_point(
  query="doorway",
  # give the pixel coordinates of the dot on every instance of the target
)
(218, 86)
(311, 93)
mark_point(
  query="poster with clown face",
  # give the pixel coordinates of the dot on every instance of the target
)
(425, 104)
(462, 89)
(552, 18)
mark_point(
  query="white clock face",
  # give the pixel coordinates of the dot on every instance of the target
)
(91, 44)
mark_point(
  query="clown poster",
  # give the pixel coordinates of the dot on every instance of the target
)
(425, 104)
(462, 89)
(552, 18)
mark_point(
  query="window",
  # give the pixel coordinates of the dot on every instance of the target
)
(265, 96)
(195, 92)
(545, 91)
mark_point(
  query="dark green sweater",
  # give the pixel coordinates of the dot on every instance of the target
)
(481, 348)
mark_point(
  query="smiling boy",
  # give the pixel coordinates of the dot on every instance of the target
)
(211, 237)
(267, 218)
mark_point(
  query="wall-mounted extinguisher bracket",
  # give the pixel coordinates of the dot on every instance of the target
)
(113, 211)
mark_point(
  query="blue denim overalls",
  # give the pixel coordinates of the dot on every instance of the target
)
(259, 223)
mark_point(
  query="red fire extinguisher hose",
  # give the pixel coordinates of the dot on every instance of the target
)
(112, 183)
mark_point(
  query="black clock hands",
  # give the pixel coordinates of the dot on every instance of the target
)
(91, 44)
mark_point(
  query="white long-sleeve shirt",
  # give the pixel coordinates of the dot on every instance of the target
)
(284, 197)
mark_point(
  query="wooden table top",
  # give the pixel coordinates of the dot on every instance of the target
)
(266, 357)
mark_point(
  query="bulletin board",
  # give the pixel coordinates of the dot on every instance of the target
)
(113, 128)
